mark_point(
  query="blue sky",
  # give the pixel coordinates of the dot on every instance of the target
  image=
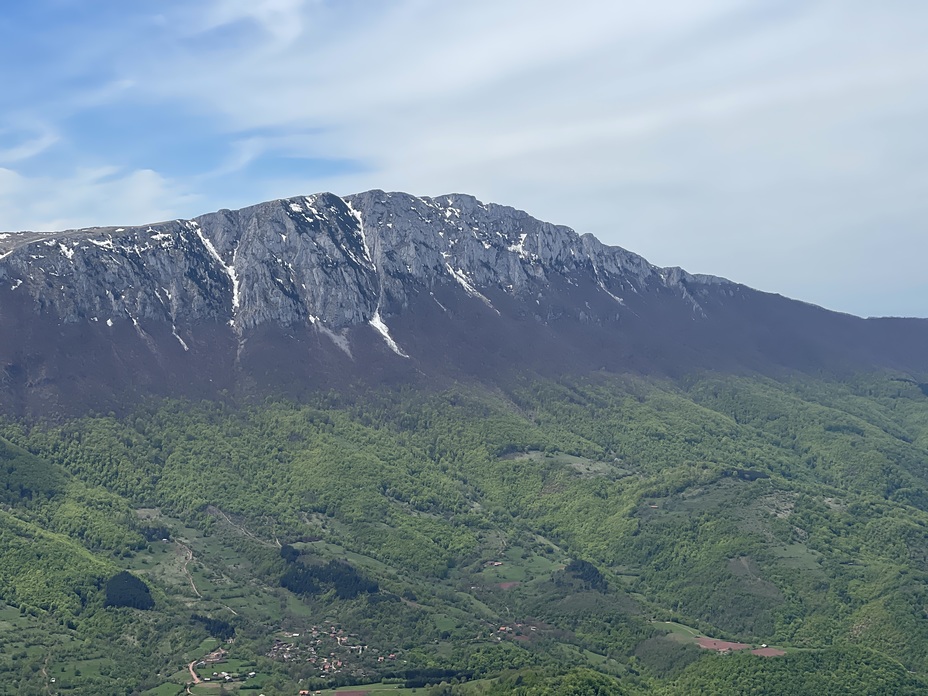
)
(780, 144)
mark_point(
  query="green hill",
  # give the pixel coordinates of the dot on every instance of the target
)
(537, 536)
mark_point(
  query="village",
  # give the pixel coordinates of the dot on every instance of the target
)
(329, 648)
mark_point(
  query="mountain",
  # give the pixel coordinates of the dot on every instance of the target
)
(388, 441)
(318, 291)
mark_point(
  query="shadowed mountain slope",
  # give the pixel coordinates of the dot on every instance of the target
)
(321, 291)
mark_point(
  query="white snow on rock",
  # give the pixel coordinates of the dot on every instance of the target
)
(519, 248)
(311, 207)
(614, 297)
(367, 249)
(180, 340)
(229, 269)
(381, 327)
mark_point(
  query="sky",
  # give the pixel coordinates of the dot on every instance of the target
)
(778, 143)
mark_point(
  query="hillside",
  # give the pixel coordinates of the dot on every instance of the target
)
(546, 527)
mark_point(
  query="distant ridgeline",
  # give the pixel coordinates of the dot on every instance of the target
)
(293, 296)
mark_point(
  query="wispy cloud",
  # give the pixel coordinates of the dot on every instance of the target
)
(282, 20)
(88, 198)
(26, 147)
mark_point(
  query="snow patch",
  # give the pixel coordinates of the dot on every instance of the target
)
(367, 250)
(311, 207)
(381, 327)
(614, 297)
(468, 288)
(229, 269)
(351, 255)
(179, 339)
(520, 247)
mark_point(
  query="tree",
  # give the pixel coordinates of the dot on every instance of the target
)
(126, 590)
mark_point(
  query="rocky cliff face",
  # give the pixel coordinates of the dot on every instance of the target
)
(377, 277)
(341, 262)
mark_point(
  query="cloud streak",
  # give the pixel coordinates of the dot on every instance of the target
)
(29, 147)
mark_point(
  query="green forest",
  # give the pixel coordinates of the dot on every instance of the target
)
(571, 536)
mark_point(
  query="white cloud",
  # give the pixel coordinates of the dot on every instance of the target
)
(87, 198)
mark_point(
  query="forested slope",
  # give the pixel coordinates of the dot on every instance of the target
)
(548, 526)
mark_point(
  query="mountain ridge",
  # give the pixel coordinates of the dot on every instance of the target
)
(543, 244)
(314, 289)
